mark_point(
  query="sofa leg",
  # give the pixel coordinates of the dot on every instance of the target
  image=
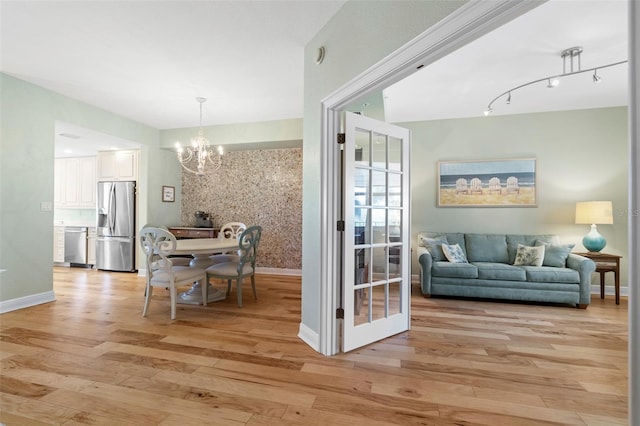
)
(427, 296)
(582, 305)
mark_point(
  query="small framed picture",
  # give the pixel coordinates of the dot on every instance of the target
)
(168, 194)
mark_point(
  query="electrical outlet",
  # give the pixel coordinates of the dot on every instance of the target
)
(46, 206)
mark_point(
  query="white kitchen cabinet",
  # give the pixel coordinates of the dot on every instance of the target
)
(118, 165)
(58, 243)
(87, 182)
(91, 246)
(75, 183)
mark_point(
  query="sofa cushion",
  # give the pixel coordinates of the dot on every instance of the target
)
(527, 240)
(555, 254)
(486, 248)
(551, 274)
(529, 256)
(454, 253)
(434, 245)
(500, 271)
(454, 270)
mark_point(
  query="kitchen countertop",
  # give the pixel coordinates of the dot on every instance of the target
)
(74, 223)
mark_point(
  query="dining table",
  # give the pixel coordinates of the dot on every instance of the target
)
(201, 249)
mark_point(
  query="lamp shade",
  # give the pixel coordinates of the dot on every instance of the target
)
(594, 212)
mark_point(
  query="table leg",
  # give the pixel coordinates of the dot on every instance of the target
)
(601, 284)
(617, 280)
(193, 296)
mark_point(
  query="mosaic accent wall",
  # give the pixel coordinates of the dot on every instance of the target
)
(260, 187)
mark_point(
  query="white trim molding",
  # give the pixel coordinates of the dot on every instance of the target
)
(27, 301)
(309, 336)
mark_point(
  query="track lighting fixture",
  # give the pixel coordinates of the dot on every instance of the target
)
(571, 65)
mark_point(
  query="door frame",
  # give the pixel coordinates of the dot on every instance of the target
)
(467, 23)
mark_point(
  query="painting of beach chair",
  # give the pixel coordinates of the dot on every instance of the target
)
(512, 185)
(494, 185)
(475, 186)
(461, 186)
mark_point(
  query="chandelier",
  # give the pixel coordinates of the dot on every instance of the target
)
(571, 60)
(200, 150)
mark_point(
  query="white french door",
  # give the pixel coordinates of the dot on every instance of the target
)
(376, 275)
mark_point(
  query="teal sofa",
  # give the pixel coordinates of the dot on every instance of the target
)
(489, 271)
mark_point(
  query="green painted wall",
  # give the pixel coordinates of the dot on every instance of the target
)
(28, 116)
(581, 156)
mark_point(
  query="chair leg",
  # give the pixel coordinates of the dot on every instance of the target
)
(173, 292)
(228, 288)
(147, 299)
(239, 290)
(253, 284)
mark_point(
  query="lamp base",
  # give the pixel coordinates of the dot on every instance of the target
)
(593, 241)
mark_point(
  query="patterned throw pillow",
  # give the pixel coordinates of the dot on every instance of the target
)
(454, 253)
(434, 245)
(529, 256)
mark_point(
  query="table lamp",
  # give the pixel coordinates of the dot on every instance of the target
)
(594, 213)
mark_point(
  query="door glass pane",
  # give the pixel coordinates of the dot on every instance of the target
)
(379, 262)
(378, 302)
(361, 270)
(379, 150)
(379, 188)
(395, 225)
(394, 298)
(395, 262)
(363, 147)
(360, 306)
(395, 154)
(395, 190)
(379, 226)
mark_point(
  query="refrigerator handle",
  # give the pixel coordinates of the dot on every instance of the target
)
(112, 208)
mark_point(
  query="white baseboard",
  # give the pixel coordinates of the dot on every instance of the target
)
(278, 271)
(27, 301)
(310, 337)
(610, 290)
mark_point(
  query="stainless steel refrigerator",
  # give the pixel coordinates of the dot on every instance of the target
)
(115, 240)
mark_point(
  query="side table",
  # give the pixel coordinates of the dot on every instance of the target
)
(606, 263)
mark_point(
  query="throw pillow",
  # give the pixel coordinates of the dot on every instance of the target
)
(434, 245)
(555, 255)
(454, 253)
(529, 256)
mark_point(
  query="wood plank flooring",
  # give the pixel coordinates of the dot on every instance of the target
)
(91, 358)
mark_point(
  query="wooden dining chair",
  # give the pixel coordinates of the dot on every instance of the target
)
(244, 267)
(158, 244)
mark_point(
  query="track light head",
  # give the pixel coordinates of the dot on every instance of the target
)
(596, 78)
(553, 83)
(509, 99)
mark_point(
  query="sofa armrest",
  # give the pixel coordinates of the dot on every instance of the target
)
(425, 260)
(585, 268)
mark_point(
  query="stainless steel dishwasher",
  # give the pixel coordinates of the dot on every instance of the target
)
(75, 245)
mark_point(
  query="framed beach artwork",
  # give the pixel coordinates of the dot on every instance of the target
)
(487, 183)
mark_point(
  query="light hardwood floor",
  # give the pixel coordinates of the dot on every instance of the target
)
(91, 358)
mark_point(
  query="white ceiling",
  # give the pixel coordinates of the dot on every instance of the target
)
(526, 49)
(148, 60)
